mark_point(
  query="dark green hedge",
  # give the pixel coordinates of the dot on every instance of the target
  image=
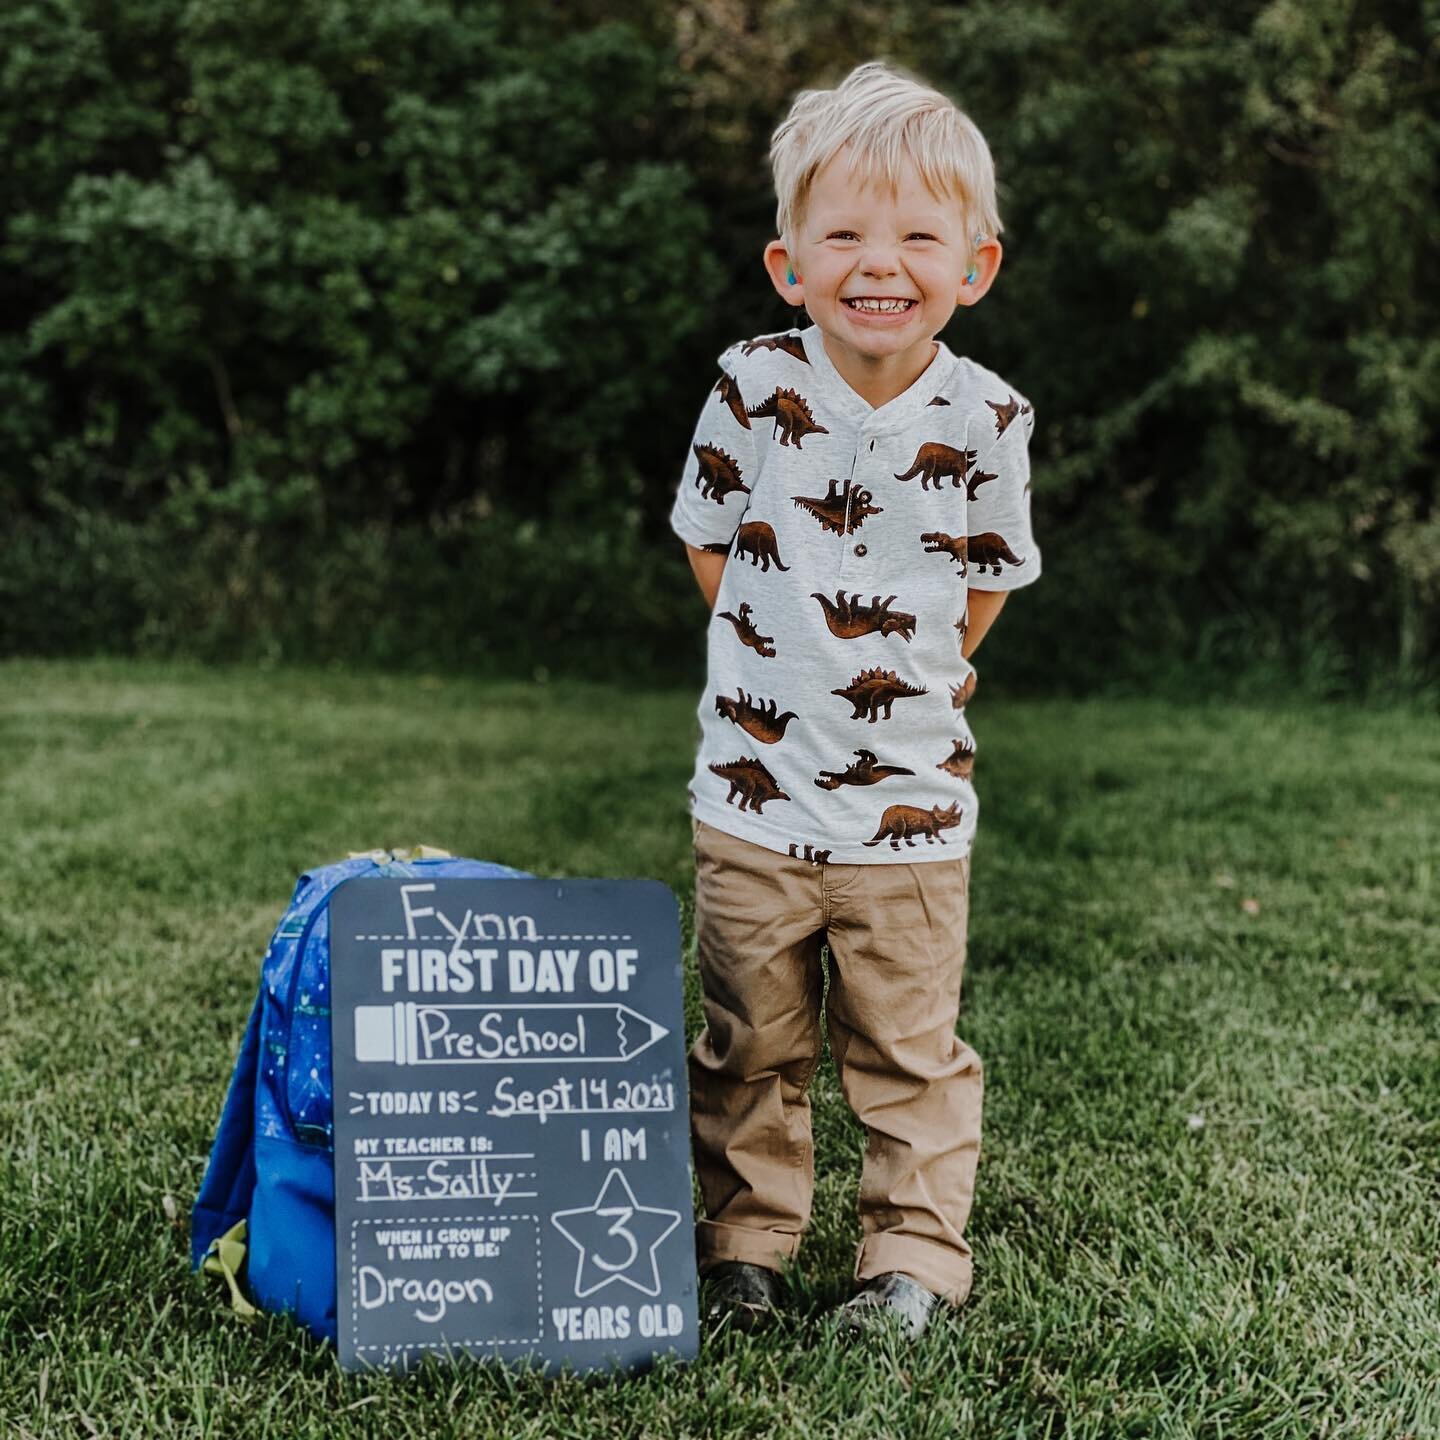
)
(377, 328)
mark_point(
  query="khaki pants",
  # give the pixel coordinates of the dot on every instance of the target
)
(896, 934)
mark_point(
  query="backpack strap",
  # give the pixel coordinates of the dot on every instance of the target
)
(225, 1257)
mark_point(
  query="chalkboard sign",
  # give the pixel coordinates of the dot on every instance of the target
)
(512, 1163)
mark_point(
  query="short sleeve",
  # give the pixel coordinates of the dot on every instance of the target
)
(1001, 549)
(719, 469)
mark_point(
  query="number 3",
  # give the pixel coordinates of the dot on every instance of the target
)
(618, 1228)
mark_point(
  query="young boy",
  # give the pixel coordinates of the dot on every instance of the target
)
(856, 508)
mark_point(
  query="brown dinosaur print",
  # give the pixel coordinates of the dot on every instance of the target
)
(751, 781)
(934, 461)
(990, 549)
(937, 542)
(761, 721)
(831, 509)
(719, 474)
(763, 645)
(1005, 413)
(816, 857)
(791, 414)
(939, 400)
(848, 618)
(786, 344)
(901, 822)
(979, 478)
(872, 689)
(960, 694)
(963, 626)
(757, 540)
(729, 393)
(960, 762)
(864, 771)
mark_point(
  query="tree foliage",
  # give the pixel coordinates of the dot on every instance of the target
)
(397, 279)
(342, 262)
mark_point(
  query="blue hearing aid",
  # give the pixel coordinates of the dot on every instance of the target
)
(971, 277)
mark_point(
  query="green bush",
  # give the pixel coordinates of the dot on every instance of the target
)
(504, 595)
(294, 288)
(298, 264)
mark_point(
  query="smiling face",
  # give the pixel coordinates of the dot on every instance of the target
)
(857, 241)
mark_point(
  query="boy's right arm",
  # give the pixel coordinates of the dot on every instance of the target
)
(719, 474)
(708, 567)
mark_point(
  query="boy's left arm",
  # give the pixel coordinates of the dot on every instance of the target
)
(984, 606)
(998, 519)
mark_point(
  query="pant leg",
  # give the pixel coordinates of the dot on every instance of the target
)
(759, 930)
(897, 953)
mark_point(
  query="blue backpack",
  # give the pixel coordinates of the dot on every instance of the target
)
(269, 1188)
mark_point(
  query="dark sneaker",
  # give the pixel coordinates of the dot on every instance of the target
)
(748, 1294)
(890, 1301)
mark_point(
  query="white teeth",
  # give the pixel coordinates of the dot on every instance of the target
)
(883, 306)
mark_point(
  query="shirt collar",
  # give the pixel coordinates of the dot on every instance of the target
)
(930, 382)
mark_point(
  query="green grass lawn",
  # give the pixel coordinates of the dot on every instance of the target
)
(1203, 978)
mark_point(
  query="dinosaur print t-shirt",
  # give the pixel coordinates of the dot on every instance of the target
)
(832, 724)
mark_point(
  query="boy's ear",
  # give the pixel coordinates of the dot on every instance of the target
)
(987, 267)
(777, 266)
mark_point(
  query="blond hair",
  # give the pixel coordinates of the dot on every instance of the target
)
(888, 117)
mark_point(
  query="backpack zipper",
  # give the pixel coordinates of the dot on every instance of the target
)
(287, 1114)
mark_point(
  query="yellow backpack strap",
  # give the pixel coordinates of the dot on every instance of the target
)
(225, 1257)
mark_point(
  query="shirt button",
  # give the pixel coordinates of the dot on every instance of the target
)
(860, 550)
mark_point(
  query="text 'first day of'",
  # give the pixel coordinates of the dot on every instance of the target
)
(431, 970)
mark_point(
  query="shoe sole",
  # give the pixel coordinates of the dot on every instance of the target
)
(742, 1314)
(858, 1323)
